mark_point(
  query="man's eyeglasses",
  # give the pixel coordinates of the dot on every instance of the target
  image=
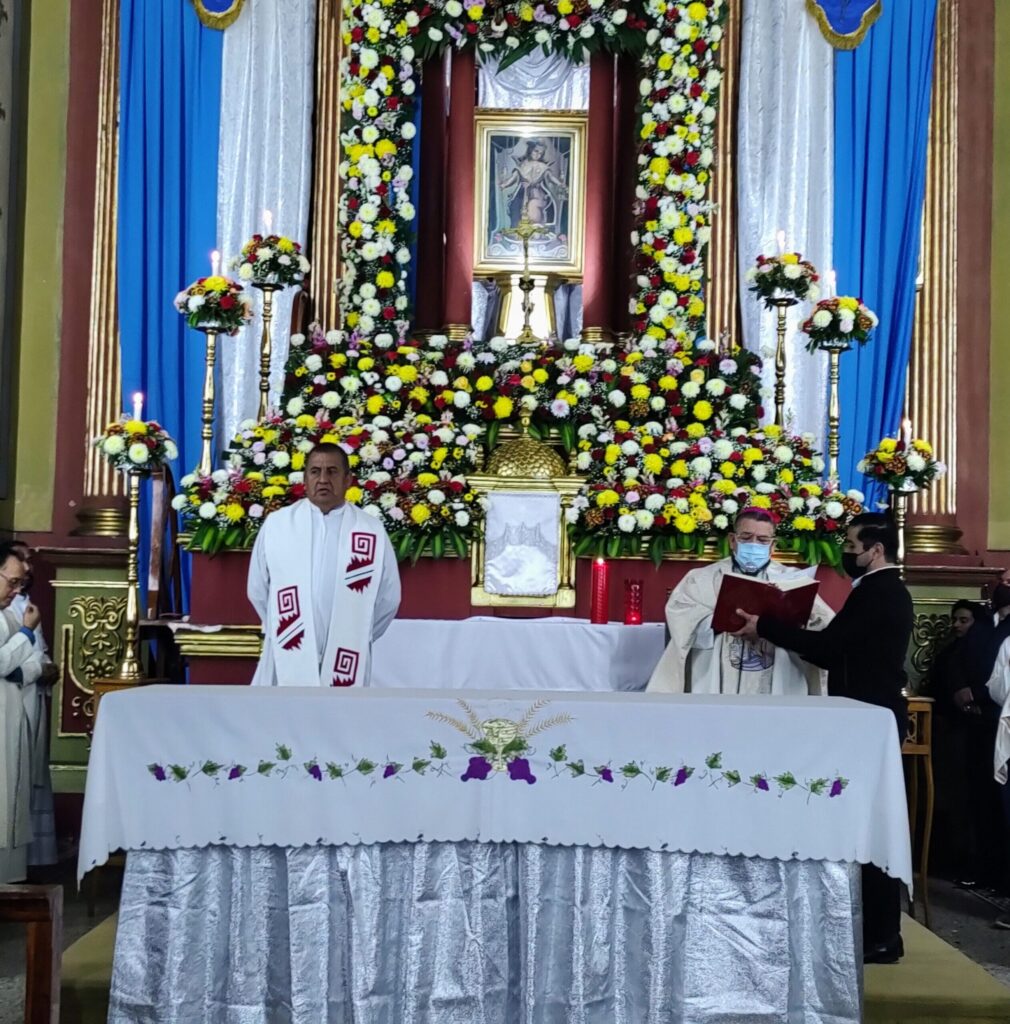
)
(17, 582)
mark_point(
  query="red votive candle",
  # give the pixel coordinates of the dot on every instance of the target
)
(599, 608)
(632, 602)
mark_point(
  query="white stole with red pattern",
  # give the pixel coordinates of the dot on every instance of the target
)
(294, 570)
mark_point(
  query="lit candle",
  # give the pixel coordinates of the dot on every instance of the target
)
(633, 602)
(831, 280)
(599, 608)
(268, 220)
(906, 431)
(215, 263)
(781, 237)
(138, 405)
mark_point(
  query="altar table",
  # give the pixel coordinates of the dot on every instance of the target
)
(392, 856)
(485, 652)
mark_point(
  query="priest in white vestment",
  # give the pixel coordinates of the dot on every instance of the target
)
(19, 661)
(697, 660)
(324, 581)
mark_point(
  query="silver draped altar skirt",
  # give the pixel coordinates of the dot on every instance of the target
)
(476, 933)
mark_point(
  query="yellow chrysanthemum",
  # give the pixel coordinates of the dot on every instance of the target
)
(438, 456)
(419, 395)
(848, 302)
(374, 404)
(366, 363)
(814, 490)
(234, 511)
(695, 430)
(728, 469)
(285, 245)
(502, 407)
(702, 410)
(384, 279)
(761, 501)
(786, 476)
(420, 513)
(887, 445)
(679, 469)
(215, 283)
(612, 454)
(298, 460)
(923, 446)
(385, 147)
(353, 495)
(272, 492)
(407, 373)
(804, 523)
(427, 479)
(583, 363)
(752, 455)
(540, 375)
(697, 11)
(724, 486)
(607, 498)
(355, 228)
(772, 430)
(640, 391)
(789, 257)
(653, 464)
(135, 427)
(685, 523)
(329, 439)
(667, 382)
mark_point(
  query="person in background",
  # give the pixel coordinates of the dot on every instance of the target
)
(864, 649)
(999, 603)
(999, 691)
(966, 720)
(18, 661)
(42, 850)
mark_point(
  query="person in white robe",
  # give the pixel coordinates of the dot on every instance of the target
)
(324, 581)
(38, 680)
(999, 691)
(697, 660)
(19, 661)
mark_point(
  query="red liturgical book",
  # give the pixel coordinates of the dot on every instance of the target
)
(790, 601)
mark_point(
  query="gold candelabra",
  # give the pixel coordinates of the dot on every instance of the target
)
(834, 350)
(207, 432)
(899, 508)
(781, 304)
(266, 343)
(130, 667)
(525, 231)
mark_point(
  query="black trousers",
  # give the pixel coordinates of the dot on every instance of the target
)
(881, 907)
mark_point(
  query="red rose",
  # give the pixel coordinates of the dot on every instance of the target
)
(227, 301)
(692, 158)
(388, 313)
(471, 27)
(357, 34)
(699, 46)
(297, 491)
(574, 20)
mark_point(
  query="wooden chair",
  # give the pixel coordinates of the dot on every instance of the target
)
(917, 751)
(40, 909)
(164, 582)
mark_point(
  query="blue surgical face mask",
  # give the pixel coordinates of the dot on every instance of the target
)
(752, 557)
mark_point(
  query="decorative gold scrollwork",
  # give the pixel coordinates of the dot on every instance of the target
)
(928, 633)
(92, 649)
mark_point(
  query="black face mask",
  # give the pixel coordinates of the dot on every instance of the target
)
(852, 568)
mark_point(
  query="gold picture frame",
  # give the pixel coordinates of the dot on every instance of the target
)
(530, 160)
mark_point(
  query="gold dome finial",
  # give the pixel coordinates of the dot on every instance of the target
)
(526, 457)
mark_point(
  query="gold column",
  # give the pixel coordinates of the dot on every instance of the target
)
(722, 273)
(324, 251)
(932, 375)
(98, 515)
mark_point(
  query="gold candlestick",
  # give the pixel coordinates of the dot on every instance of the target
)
(130, 667)
(266, 343)
(899, 508)
(835, 350)
(207, 432)
(781, 304)
(524, 232)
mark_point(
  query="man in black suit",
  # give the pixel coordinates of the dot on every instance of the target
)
(863, 648)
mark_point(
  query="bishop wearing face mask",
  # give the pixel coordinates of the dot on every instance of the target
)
(863, 649)
(697, 660)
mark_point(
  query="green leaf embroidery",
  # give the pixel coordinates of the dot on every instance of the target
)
(559, 754)
(438, 752)
(283, 752)
(365, 767)
(179, 772)
(714, 761)
(334, 771)
(664, 774)
(577, 768)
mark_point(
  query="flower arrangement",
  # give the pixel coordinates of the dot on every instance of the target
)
(673, 492)
(836, 323)
(506, 31)
(902, 464)
(214, 303)
(136, 446)
(271, 260)
(385, 39)
(786, 275)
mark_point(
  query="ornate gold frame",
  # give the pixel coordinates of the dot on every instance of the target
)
(567, 487)
(527, 124)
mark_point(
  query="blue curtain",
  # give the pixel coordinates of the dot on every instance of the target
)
(170, 99)
(882, 92)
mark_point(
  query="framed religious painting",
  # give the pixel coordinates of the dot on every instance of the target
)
(532, 163)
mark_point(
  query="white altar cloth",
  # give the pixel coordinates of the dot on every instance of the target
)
(187, 767)
(490, 653)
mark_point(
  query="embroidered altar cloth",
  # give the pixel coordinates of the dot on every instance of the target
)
(187, 767)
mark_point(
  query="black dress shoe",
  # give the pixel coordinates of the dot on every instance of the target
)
(884, 952)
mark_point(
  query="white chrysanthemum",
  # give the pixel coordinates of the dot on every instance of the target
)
(330, 399)
(139, 454)
(833, 509)
(722, 449)
(690, 389)
(280, 459)
(644, 518)
(171, 452)
(822, 318)
(313, 363)
(627, 523)
(113, 445)
(616, 399)
(716, 386)
(783, 454)
(436, 497)
(854, 495)
(655, 502)
(701, 467)
(462, 518)
(208, 510)
(795, 504)
(916, 463)
(731, 505)
(758, 472)
(461, 399)
(295, 406)
(792, 271)
(629, 447)
(179, 502)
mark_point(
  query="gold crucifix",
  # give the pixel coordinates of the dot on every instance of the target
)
(525, 231)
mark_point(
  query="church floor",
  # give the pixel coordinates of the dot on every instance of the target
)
(961, 919)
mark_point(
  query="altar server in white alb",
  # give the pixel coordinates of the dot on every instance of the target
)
(697, 660)
(324, 582)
